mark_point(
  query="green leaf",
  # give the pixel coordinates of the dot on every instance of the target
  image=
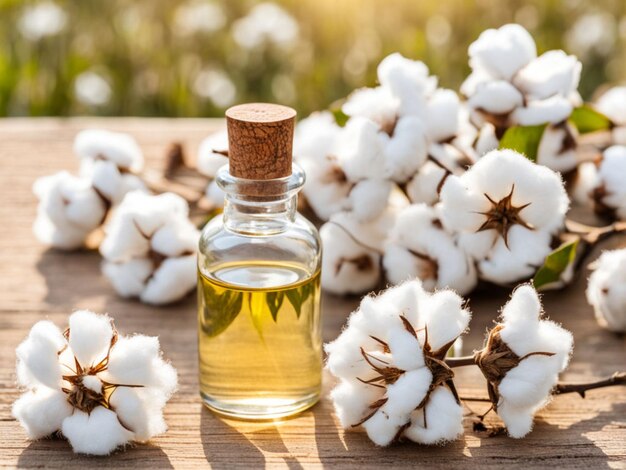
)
(523, 139)
(555, 264)
(340, 117)
(586, 119)
(218, 311)
(274, 301)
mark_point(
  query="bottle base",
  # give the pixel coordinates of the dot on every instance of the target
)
(260, 409)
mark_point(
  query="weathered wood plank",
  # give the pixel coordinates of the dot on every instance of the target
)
(36, 283)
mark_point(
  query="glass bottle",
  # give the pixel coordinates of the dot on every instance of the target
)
(259, 329)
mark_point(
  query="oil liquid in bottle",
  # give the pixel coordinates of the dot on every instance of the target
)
(259, 338)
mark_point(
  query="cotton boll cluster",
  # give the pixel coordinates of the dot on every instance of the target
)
(391, 132)
(71, 207)
(212, 155)
(511, 86)
(504, 211)
(606, 291)
(522, 359)
(600, 184)
(419, 247)
(389, 362)
(99, 389)
(613, 105)
(149, 248)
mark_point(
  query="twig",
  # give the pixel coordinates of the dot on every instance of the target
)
(460, 361)
(618, 378)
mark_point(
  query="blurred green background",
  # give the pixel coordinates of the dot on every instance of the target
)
(197, 57)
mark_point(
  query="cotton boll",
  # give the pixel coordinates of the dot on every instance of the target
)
(361, 151)
(41, 412)
(496, 97)
(442, 115)
(97, 433)
(69, 209)
(211, 153)
(37, 356)
(376, 104)
(557, 148)
(553, 110)
(90, 337)
(418, 247)
(444, 419)
(121, 149)
(347, 266)
(541, 349)
(128, 278)
(175, 238)
(368, 198)
(552, 73)
(174, 279)
(408, 81)
(502, 52)
(606, 291)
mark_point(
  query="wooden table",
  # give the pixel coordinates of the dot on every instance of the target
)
(37, 283)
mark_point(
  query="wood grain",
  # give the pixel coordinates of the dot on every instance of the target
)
(37, 283)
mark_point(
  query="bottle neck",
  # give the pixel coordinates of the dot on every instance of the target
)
(260, 207)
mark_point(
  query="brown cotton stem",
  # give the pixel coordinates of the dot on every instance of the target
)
(618, 378)
(460, 361)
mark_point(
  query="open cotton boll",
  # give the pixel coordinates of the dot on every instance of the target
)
(99, 144)
(212, 153)
(315, 137)
(326, 189)
(501, 192)
(149, 248)
(606, 290)
(387, 365)
(376, 104)
(368, 198)
(522, 359)
(418, 247)
(112, 392)
(501, 53)
(552, 73)
(408, 81)
(348, 267)
(69, 209)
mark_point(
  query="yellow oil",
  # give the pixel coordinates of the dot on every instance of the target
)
(259, 334)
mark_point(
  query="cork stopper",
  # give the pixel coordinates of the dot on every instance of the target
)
(260, 139)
